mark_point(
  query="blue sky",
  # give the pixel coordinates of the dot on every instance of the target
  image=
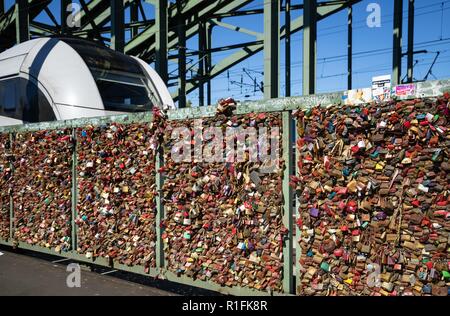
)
(372, 48)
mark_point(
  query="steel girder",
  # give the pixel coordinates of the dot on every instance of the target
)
(100, 11)
(8, 22)
(98, 14)
(244, 53)
(143, 45)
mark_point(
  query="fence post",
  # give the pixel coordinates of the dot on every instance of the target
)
(160, 262)
(298, 249)
(74, 238)
(11, 200)
(288, 284)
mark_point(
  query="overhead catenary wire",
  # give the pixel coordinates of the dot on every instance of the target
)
(356, 55)
(363, 54)
(430, 8)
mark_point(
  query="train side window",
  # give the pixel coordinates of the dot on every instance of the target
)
(9, 96)
(2, 96)
(23, 100)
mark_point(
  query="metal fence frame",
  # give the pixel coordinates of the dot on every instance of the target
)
(283, 105)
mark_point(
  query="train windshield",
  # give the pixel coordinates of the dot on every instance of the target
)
(120, 79)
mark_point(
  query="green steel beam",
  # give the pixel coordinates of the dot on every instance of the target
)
(271, 48)
(104, 17)
(161, 39)
(208, 62)
(160, 215)
(8, 24)
(193, 25)
(221, 48)
(73, 123)
(11, 200)
(107, 29)
(117, 25)
(8, 243)
(51, 16)
(141, 9)
(298, 232)
(42, 29)
(137, 24)
(237, 28)
(8, 19)
(201, 62)
(143, 45)
(238, 291)
(134, 17)
(256, 11)
(91, 11)
(287, 7)
(98, 13)
(397, 45)
(2, 7)
(349, 47)
(90, 17)
(140, 42)
(22, 21)
(287, 57)
(94, 6)
(181, 30)
(237, 13)
(241, 55)
(144, 37)
(410, 54)
(309, 46)
(63, 15)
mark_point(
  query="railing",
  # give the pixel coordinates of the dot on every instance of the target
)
(99, 190)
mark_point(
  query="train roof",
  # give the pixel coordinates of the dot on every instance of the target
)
(63, 65)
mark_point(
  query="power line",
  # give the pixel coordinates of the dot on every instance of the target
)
(361, 54)
(405, 12)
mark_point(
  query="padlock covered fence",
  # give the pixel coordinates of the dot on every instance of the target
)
(224, 220)
(357, 203)
(373, 192)
(116, 207)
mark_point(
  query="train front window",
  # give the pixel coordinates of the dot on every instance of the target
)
(120, 79)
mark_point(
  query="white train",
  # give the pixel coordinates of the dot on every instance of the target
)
(49, 79)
